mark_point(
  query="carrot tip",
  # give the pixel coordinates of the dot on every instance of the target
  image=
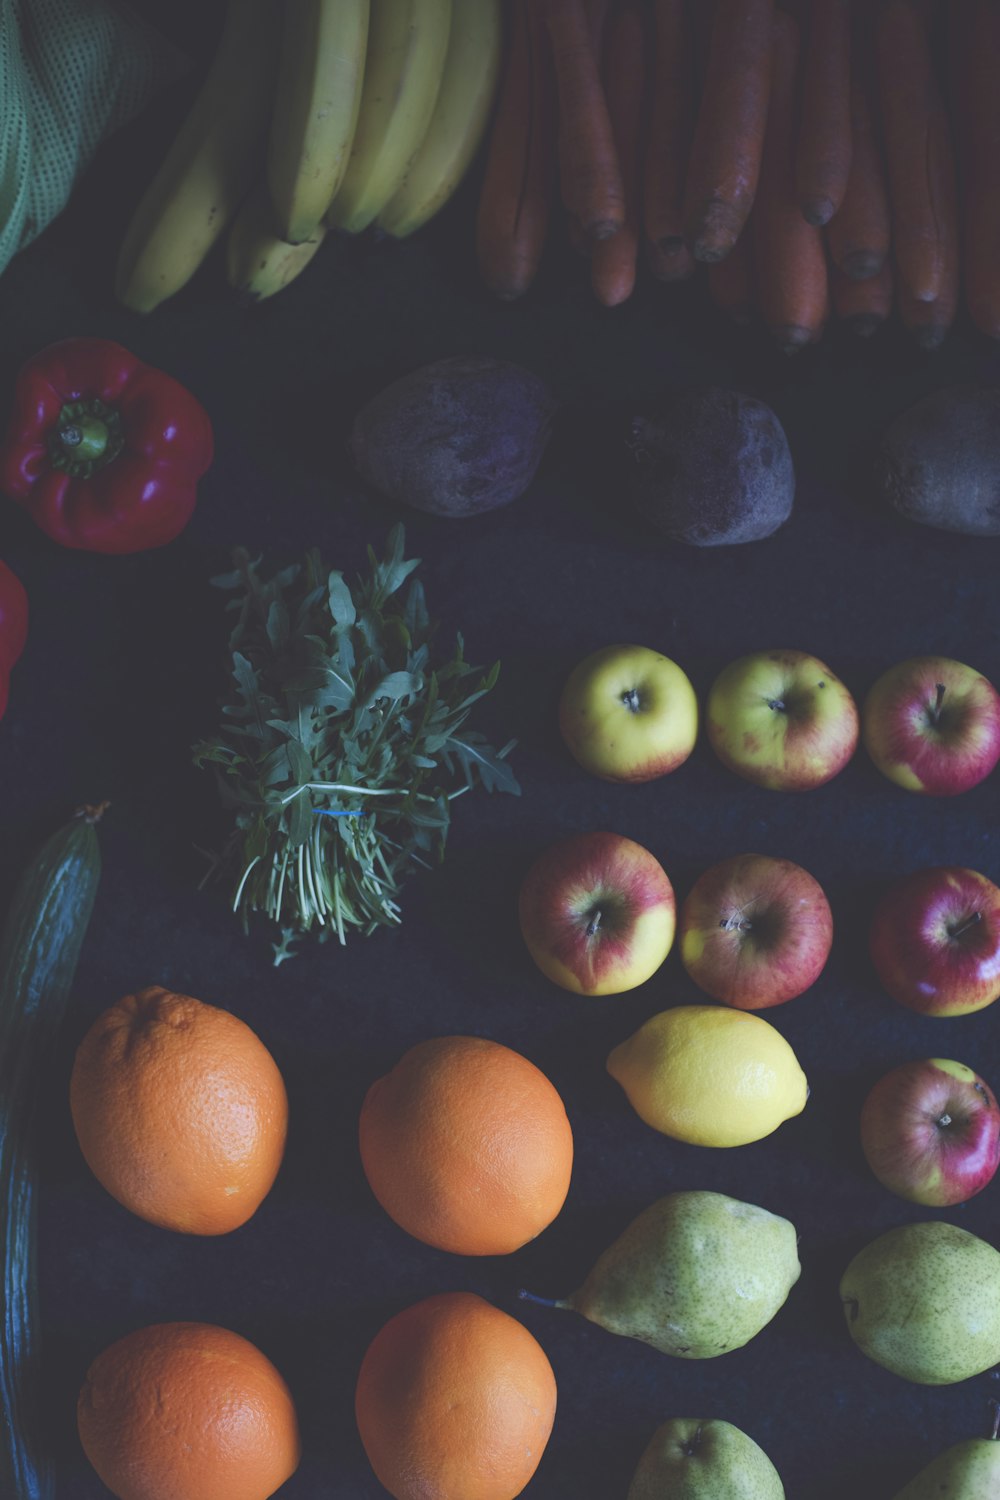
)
(672, 244)
(791, 337)
(817, 211)
(931, 337)
(865, 324)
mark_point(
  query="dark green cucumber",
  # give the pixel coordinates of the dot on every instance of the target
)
(39, 946)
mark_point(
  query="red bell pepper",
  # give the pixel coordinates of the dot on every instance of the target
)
(103, 451)
(13, 627)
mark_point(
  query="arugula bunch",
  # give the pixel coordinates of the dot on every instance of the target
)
(343, 744)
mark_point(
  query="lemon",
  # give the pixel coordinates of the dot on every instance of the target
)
(710, 1075)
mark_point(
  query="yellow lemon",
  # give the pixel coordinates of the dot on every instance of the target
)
(710, 1075)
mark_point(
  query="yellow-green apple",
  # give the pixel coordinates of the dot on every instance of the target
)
(931, 1132)
(933, 725)
(597, 912)
(782, 719)
(755, 931)
(628, 714)
(935, 941)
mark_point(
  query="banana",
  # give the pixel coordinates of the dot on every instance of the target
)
(407, 45)
(463, 106)
(258, 261)
(316, 109)
(211, 164)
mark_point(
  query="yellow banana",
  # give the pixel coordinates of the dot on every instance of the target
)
(463, 106)
(316, 108)
(407, 45)
(258, 261)
(211, 164)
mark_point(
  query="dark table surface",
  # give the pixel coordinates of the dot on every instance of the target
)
(122, 673)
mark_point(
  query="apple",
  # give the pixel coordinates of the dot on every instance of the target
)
(755, 931)
(628, 714)
(930, 1132)
(782, 719)
(935, 941)
(933, 725)
(597, 913)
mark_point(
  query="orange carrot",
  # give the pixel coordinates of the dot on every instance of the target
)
(730, 281)
(613, 264)
(931, 322)
(863, 305)
(665, 267)
(823, 158)
(668, 141)
(789, 260)
(729, 136)
(590, 175)
(918, 150)
(858, 234)
(975, 51)
(513, 218)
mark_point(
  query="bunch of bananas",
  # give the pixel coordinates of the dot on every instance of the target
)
(314, 114)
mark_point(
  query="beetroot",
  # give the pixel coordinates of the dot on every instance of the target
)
(455, 438)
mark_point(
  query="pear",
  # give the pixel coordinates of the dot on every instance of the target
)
(696, 1274)
(689, 1458)
(969, 1471)
(924, 1301)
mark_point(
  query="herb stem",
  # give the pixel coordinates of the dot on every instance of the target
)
(246, 877)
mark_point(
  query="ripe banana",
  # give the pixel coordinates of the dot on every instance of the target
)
(258, 261)
(407, 45)
(463, 106)
(211, 164)
(316, 108)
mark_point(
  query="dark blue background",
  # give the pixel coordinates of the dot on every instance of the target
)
(121, 675)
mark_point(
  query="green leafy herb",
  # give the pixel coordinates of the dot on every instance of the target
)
(343, 743)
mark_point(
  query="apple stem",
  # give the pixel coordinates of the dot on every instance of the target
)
(631, 700)
(594, 923)
(778, 704)
(736, 924)
(956, 932)
(934, 713)
(690, 1448)
(944, 1120)
(527, 1296)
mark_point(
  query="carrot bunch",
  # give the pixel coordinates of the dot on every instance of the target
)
(819, 157)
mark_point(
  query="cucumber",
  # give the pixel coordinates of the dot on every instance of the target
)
(39, 946)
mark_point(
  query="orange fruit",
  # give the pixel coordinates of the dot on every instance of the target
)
(180, 1111)
(188, 1411)
(455, 1401)
(467, 1146)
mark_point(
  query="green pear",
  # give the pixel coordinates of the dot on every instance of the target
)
(924, 1301)
(696, 1274)
(689, 1458)
(969, 1471)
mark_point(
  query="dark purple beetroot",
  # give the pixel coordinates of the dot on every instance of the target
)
(714, 469)
(939, 461)
(455, 438)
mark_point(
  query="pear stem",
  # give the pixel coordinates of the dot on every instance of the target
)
(527, 1296)
(995, 1434)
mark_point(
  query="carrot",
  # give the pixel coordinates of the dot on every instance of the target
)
(789, 260)
(668, 141)
(930, 322)
(858, 233)
(975, 52)
(863, 305)
(729, 135)
(823, 158)
(730, 281)
(613, 263)
(665, 267)
(590, 175)
(513, 219)
(918, 150)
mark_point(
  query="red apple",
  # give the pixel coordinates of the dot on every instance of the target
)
(931, 1132)
(755, 931)
(933, 725)
(935, 941)
(782, 719)
(597, 913)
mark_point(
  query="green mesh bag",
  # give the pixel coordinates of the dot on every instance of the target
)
(71, 71)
